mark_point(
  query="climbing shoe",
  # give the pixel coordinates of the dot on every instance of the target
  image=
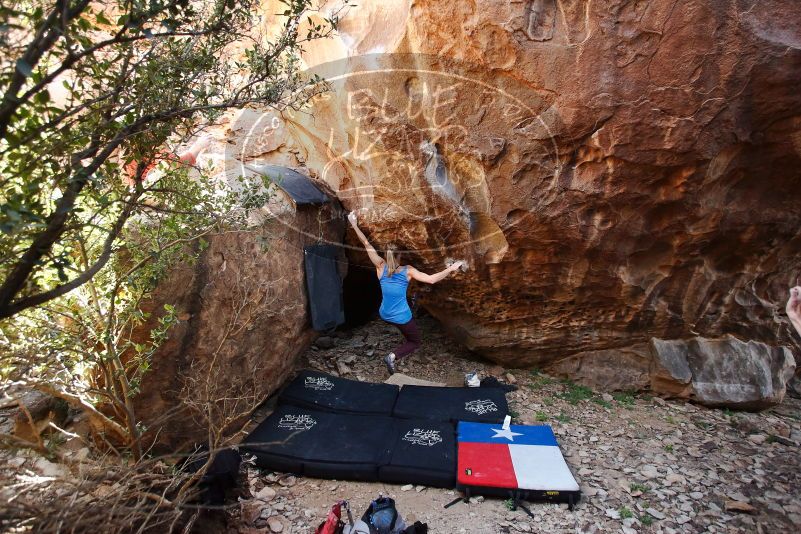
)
(389, 360)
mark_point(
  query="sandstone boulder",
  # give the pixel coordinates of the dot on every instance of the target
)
(715, 372)
(721, 372)
(243, 319)
(612, 171)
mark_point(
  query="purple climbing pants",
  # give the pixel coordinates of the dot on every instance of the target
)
(412, 339)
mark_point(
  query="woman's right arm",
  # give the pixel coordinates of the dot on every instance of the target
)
(371, 253)
(420, 276)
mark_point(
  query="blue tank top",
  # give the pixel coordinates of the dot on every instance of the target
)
(394, 307)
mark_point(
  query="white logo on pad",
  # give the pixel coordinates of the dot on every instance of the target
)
(320, 383)
(480, 407)
(297, 422)
(420, 436)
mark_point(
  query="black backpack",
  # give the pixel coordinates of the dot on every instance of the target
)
(220, 477)
(382, 516)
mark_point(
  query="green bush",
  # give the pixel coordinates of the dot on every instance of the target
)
(576, 393)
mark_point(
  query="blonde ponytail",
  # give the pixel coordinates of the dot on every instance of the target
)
(392, 261)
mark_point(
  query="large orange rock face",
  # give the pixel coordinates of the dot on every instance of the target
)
(612, 171)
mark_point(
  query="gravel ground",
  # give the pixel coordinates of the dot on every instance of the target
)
(644, 464)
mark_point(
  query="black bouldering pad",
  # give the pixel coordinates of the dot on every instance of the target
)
(321, 391)
(485, 405)
(421, 452)
(320, 444)
(324, 286)
(298, 186)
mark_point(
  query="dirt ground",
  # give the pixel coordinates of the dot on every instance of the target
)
(644, 464)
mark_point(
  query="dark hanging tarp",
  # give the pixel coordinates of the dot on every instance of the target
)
(324, 286)
(295, 184)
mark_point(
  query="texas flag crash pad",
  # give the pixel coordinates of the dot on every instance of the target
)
(513, 461)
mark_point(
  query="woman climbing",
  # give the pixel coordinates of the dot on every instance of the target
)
(394, 279)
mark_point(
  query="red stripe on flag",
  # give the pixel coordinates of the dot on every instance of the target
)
(486, 464)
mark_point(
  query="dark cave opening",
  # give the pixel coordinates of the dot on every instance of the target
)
(361, 294)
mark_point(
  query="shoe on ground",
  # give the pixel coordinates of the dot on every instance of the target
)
(389, 360)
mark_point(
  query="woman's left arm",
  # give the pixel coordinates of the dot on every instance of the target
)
(794, 308)
(414, 274)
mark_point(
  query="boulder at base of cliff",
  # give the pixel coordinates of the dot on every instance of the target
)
(721, 372)
(243, 319)
(715, 372)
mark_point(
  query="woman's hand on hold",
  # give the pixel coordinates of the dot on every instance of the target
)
(455, 266)
(794, 308)
(794, 303)
(371, 253)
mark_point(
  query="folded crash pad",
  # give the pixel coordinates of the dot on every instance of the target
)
(421, 452)
(321, 391)
(515, 461)
(296, 185)
(451, 404)
(320, 444)
(324, 286)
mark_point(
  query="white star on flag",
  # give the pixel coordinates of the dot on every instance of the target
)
(505, 433)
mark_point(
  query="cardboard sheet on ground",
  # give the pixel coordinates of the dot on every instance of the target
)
(511, 460)
(321, 391)
(400, 379)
